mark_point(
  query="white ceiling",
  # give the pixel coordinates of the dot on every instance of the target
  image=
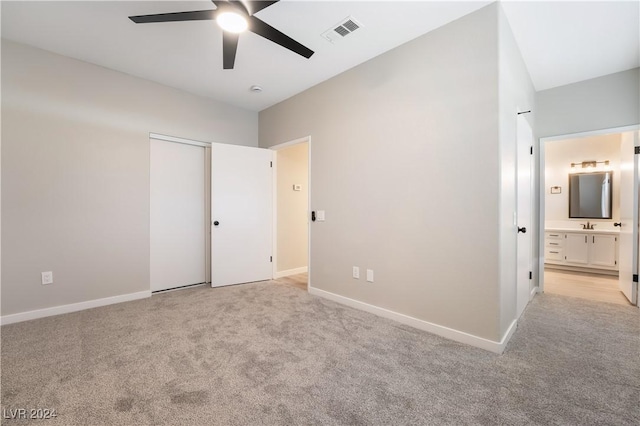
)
(561, 42)
(570, 41)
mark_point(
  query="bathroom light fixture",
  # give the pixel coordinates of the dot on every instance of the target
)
(589, 164)
(232, 22)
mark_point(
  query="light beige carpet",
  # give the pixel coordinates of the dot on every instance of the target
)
(269, 353)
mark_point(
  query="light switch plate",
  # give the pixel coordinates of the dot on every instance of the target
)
(370, 275)
(297, 187)
(47, 277)
(320, 216)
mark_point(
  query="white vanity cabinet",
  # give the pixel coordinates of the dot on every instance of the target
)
(604, 250)
(554, 247)
(576, 248)
(582, 249)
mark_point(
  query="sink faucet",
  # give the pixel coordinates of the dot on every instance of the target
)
(588, 225)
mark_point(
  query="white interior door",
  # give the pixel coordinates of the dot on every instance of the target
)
(628, 245)
(524, 181)
(242, 214)
(177, 209)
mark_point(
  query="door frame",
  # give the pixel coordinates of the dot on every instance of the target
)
(207, 195)
(542, 190)
(278, 147)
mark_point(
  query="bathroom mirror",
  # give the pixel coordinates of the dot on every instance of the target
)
(590, 195)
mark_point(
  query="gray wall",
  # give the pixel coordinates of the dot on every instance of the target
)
(405, 161)
(600, 103)
(516, 92)
(75, 173)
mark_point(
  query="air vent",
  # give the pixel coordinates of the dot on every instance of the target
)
(350, 25)
(342, 29)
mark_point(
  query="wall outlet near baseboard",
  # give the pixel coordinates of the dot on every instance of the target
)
(370, 275)
(47, 278)
(356, 272)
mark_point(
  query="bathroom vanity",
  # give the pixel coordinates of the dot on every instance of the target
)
(590, 250)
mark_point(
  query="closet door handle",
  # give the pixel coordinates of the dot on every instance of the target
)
(523, 230)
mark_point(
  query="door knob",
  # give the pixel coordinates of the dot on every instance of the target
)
(523, 230)
(618, 224)
(216, 223)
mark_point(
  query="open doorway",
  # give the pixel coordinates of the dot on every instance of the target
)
(589, 216)
(291, 218)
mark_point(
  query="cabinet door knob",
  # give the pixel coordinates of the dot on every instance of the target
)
(523, 230)
(618, 224)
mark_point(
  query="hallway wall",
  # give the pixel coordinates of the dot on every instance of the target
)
(600, 103)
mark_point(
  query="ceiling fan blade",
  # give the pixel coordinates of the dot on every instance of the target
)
(267, 31)
(229, 49)
(196, 15)
(257, 5)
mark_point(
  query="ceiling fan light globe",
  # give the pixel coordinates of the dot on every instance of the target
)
(232, 22)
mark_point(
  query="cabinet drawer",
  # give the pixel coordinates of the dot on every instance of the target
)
(553, 254)
(553, 235)
(554, 244)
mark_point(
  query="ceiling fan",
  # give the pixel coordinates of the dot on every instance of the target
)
(234, 17)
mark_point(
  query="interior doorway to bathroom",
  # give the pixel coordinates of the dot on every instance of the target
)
(590, 235)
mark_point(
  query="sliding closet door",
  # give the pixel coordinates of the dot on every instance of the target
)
(177, 215)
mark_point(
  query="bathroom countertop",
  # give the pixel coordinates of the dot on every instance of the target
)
(586, 231)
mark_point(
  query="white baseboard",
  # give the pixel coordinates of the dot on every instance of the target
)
(288, 272)
(74, 307)
(507, 336)
(533, 293)
(449, 333)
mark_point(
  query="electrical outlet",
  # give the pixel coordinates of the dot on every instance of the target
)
(47, 277)
(370, 275)
(356, 272)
